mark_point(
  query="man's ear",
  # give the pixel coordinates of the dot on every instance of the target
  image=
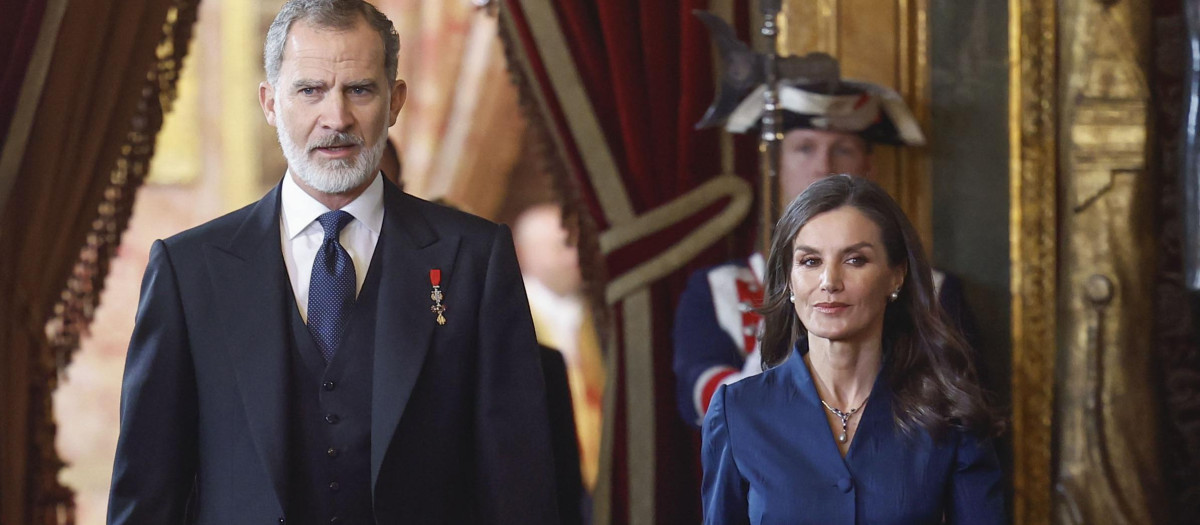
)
(399, 95)
(266, 99)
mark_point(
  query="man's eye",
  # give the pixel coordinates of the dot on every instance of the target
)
(359, 91)
(308, 91)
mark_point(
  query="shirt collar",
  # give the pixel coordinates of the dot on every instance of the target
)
(299, 209)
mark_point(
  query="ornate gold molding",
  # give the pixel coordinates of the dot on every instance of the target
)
(914, 187)
(808, 25)
(1106, 466)
(1033, 238)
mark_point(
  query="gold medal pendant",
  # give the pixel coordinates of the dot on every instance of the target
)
(435, 279)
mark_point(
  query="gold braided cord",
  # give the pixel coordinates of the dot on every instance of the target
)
(76, 306)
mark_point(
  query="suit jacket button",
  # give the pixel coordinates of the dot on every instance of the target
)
(328, 386)
(332, 419)
(333, 486)
(332, 452)
(282, 521)
(845, 484)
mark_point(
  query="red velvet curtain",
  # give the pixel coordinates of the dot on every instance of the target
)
(18, 34)
(111, 69)
(647, 69)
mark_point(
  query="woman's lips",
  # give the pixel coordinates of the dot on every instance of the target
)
(830, 308)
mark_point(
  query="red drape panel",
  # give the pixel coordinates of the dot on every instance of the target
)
(648, 71)
(112, 66)
(18, 34)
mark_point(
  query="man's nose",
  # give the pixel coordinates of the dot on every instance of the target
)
(825, 162)
(335, 113)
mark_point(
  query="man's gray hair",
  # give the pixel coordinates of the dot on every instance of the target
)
(328, 14)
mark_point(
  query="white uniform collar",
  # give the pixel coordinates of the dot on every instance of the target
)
(759, 266)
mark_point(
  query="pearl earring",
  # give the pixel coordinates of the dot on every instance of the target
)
(793, 298)
(895, 295)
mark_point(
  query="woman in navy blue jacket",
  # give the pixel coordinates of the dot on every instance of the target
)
(870, 410)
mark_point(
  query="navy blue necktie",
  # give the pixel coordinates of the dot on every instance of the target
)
(331, 291)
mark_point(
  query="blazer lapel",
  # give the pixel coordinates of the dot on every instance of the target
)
(876, 429)
(817, 433)
(404, 324)
(249, 282)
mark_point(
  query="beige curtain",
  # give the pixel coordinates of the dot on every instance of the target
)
(112, 69)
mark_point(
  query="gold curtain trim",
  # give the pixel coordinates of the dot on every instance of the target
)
(638, 316)
(1033, 235)
(577, 110)
(679, 253)
(73, 312)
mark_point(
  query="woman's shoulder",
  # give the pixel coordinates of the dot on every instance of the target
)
(775, 383)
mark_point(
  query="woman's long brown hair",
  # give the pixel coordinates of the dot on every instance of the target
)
(927, 362)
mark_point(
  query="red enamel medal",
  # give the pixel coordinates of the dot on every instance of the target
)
(435, 279)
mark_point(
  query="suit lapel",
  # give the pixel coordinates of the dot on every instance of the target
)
(404, 323)
(250, 280)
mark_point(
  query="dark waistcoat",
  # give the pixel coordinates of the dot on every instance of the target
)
(330, 418)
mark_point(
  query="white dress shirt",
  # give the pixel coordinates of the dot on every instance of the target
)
(302, 234)
(563, 316)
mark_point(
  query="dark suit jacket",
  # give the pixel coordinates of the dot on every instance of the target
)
(769, 457)
(563, 437)
(459, 430)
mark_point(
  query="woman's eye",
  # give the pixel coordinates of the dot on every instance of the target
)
(856, 261)
(810, 262)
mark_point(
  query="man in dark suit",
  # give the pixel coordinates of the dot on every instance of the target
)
(338, 352)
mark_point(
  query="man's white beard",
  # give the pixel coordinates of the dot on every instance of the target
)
(332, 175)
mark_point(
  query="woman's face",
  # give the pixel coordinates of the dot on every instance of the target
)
(841, 277)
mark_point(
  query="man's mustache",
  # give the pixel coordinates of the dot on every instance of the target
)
(337, 139)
